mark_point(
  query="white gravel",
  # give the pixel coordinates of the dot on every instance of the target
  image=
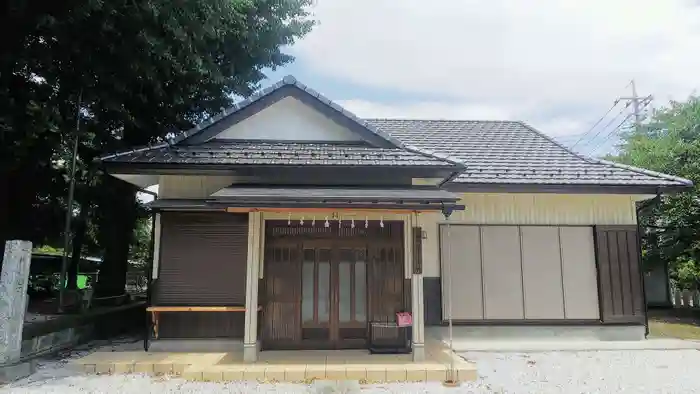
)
(643, 371)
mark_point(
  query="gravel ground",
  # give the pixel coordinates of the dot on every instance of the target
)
(644, 371)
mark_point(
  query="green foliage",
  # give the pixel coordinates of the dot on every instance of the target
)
(131, 71)
(48, 249)
(670, 143)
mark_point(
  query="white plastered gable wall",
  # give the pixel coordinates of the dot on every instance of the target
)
(289, 120)
(532, 222)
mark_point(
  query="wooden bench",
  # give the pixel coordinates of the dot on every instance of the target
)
(156, 310)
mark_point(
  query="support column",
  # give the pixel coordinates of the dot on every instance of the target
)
(417, 307)
(156, 246)
(250, 340)
(414, 250)
(13, 305)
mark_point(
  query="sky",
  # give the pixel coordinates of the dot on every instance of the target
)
(556, 64)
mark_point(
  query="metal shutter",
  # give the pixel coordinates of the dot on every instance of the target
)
(202, 259)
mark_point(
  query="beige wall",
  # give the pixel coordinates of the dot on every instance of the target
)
(291, 120)
(191, 186)
(523, 209)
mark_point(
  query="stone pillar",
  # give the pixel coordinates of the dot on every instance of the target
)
(250, 339)
(13, 305)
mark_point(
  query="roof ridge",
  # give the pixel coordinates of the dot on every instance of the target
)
(142, 148)
(593, 160)
(646, 172)
(435, 155)
(445, 120)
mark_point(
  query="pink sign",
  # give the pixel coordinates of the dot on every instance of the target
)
(404, 319)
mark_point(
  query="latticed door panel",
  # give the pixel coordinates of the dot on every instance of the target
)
(282, 294)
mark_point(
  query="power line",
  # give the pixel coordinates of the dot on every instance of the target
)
(600, 130)
(596, 124)
(634, 100)
(607, 137)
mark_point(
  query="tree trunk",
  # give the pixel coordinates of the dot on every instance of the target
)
(118, 218)
(77, 247)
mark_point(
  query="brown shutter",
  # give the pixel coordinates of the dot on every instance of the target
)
(619, 276)
(417, 250)
(202, 259)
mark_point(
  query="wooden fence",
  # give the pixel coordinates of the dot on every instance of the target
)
(686, 298)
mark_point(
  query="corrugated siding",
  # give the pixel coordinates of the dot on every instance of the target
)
(524, 209)
(191, 186)
(520, 208)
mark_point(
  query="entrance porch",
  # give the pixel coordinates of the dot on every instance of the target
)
(287, 366)
(331, 280)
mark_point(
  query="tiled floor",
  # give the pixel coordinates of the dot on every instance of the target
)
(287, 366)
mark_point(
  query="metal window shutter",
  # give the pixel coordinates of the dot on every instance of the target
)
(203, 259)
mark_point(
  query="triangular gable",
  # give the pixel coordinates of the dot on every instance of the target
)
(287, 111)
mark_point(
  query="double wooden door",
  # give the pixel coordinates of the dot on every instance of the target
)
(322, 287)
(334, 294)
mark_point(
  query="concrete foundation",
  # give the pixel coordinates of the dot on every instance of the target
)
(543, 338)
(11, 372)
(195, 345)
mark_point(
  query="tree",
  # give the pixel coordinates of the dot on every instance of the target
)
(670, 143)
(136, 71)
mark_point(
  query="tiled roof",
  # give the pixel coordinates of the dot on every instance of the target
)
(277, 153)
(509, 152)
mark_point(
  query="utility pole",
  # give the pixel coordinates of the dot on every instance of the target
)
(638, 104)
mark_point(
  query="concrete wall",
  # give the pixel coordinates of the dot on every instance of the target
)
(289, 119)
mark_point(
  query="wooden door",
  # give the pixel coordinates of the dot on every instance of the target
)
(322, 286)
(282, 291)
(317, 325)
(350, 278)
(334, 295)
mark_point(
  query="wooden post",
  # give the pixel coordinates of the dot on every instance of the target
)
(250, 340)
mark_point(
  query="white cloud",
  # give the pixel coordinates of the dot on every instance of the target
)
(555, 63)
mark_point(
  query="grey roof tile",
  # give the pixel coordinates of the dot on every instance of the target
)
(278, 153)
(509, 152)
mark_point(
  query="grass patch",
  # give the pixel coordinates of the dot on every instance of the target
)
(680, 330)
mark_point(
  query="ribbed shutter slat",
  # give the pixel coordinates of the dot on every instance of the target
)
(203, 259)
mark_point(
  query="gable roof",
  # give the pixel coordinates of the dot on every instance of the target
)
(497, 155)
(199, 146)
(515, 154)
(287, 87)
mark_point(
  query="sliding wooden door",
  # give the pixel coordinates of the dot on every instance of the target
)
(334, 295)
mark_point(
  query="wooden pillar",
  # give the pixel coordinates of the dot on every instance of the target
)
(253, 262)
(415, 252)
(156, 246)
